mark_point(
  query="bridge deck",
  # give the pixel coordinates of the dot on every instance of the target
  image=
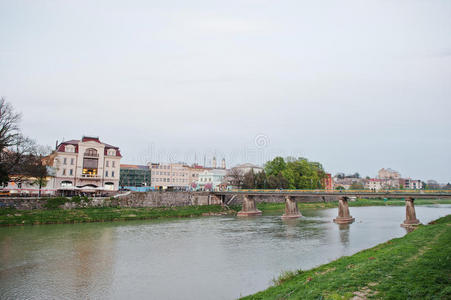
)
(424, 194)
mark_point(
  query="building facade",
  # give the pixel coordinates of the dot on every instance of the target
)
(388, 174)
(247, 167)
(211, 179)
(411, 184)
(134, 176)
(85, 165)
(328, 183)
(174, 175)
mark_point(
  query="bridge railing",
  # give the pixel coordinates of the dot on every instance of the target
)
(357, 192)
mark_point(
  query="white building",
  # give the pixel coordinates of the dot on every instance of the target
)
(211, 179)
(411, 184)
(85, 165)
(245, 168)
(374, 184)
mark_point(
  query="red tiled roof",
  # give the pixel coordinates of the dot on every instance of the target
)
(61, 146)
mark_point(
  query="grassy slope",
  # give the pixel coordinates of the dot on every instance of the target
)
(83, 215)
(416, 266)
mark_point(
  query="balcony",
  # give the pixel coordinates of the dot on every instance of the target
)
(90, 176)
(91, 155)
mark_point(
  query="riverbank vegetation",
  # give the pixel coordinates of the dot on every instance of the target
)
(416, 266)
(289, 173)
(10, 216)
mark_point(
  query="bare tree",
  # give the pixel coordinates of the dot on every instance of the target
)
(20, 156)
(9, 125)
(235, 177)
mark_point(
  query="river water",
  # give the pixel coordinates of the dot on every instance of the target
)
(200, 258)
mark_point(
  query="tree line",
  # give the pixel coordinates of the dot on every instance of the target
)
(280, 173)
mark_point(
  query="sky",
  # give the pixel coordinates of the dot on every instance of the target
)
(355, 85)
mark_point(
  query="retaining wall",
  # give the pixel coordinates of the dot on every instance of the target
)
(134, 199)
(153, 199)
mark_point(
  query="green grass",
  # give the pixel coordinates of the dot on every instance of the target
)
(359, 202)
(416, 266)
(85, 215)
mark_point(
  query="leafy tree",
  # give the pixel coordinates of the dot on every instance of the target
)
(339, 188)
(261, 180)
(249, 180)
(275, 167)
(294, 173)
(277, 182)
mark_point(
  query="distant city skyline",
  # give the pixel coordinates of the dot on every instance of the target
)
(356, 86)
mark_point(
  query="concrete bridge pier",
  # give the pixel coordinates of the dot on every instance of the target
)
(343, 212)
(411, 218)
(249, 208)
(291, 209)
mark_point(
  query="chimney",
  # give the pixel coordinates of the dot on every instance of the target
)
(56, 145)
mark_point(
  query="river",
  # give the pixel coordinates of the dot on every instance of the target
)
(200, 258)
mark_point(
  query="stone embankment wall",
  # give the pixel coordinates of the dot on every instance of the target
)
(134, 199)
(152, 199)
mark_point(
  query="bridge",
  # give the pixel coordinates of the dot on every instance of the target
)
(344, 217)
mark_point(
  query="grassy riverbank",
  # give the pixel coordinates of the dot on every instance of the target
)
(359, 202)
(416, 266)
(86, 215)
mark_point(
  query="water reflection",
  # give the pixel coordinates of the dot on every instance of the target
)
(292, 228)
(75, 261)
(344, 233)
(200, 257)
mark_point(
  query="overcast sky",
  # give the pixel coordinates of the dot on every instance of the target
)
(355, 85)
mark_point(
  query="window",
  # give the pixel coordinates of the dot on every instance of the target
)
(71, 172)
(113, 164)
(70, 148)
(91, 152)
(112, 173)
(64, 171)
(106, 173)
(64, 161)
(107, 163)
(71, 161)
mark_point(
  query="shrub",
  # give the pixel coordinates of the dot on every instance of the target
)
(54, 203)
